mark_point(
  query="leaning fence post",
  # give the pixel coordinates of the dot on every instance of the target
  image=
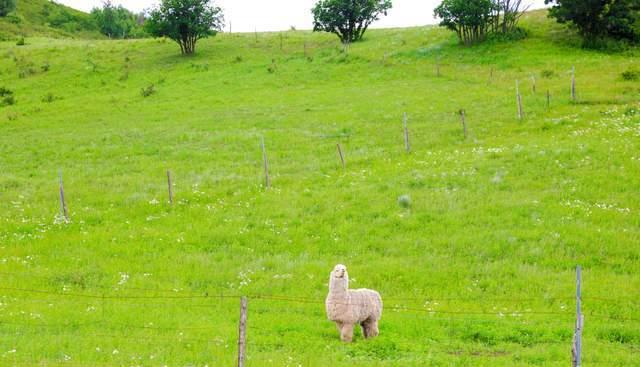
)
(170, 187)
(242, 332)
(265, 162)
(576, 351)
(63, 205)
(548, 99)
(519, 100)
(341, 156)
(464, 123)
(573, 83)
(407, 144)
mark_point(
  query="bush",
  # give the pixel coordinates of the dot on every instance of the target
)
(630, 75)
(49, 97)
(6, 97)
(45, 67)
(20, 42)
(548, 74)
(148, 91)
(6, 7)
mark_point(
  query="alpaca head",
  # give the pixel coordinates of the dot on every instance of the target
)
(339, 278)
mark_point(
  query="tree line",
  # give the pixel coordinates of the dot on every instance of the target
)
(598, 22)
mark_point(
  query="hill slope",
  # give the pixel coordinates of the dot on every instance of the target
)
(49, 19)
(478, 271)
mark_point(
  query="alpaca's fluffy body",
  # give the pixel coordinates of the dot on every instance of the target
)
(348, 307)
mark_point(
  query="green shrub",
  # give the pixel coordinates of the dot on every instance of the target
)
(20, 42)
(630, 75)
(6, 97)
(548, 74)
(148, 91)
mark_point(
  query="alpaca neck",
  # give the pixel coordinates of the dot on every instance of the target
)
(338, 287)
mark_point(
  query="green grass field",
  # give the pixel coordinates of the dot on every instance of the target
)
(478, 271)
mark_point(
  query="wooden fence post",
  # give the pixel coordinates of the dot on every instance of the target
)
(407, 144)
(265, 161)
(576, 351)
(464, 123)
(573, 83)
(533, 86)
(63, 205)
(242, 332)
(548, 99)
(341, 156)
(519, 100)
(170, 186)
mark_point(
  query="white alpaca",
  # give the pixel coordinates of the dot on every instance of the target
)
(348, 307)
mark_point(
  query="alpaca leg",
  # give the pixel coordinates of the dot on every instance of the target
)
(371, 328)
(365, 330)
(346, 334)
(339, 326)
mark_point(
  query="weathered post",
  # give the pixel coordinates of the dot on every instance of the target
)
(519, 100)
(548, 99)
(344, 165)
(407, 144)
(242, 332)
(533, 85)
(170, 186)
(573, 83)
(576, 351)
(266, 165)
(64, 212)
(464, 122)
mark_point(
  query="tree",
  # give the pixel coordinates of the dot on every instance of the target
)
(116, 21)
(474, 20)
(470, 19)
(6, 7)
(598, 19)
(185, 22)
(348, 19)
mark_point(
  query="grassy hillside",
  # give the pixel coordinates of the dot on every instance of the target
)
(478, 271)
(49, 19)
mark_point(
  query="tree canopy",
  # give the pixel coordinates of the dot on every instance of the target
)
(348, 19)
(598, 19)
(474, 20)
(6, 7)
(116, 21)
(185, 22)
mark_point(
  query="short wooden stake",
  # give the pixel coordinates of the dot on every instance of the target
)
(533, 86)
(548, 99)
(407, 144)
(63, 205)
(267, 180)
(464, 123)
(170, 186)
(344, 165)
(242, 332)
(519, 100)
(576, 351)
(490, 75)
(281, 41)
(573, 83)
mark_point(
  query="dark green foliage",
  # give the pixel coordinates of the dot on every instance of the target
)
(6, 97)
(185, 22)
(470, 19)
(348, 19)
(20, 42)
(599, 20)
(630, 75)
(148, 90)
(6, 7)
(66, 19)
(117, 22)
(474, 20)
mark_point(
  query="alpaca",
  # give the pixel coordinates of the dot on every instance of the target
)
(348, 307)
